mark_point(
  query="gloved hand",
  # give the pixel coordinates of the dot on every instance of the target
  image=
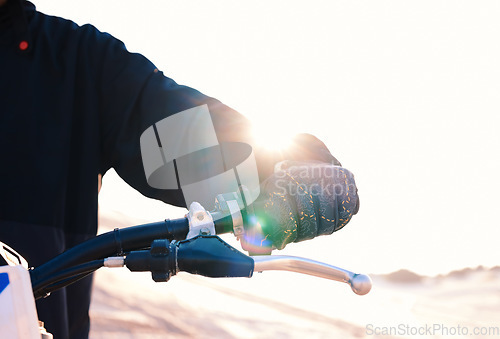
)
(303, 147)
(302, 200)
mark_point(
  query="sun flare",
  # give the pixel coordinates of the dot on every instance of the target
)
(272, 138)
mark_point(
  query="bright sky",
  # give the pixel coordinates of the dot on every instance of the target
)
(405, 94)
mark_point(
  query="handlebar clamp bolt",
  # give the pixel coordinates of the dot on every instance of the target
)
(205, 231)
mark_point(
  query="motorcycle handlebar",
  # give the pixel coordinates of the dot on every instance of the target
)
(123, 240)
(205, 255)
(112, 243)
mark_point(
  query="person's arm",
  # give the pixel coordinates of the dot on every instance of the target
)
(135, 95)
(145, 114)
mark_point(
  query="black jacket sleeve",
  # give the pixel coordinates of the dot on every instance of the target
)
(134, 95)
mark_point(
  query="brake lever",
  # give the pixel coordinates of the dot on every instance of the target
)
(210, 256)
(361, 284)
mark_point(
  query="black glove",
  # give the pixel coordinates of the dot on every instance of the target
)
(303, 147)
(302, 200)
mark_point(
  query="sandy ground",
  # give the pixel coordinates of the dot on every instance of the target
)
(289, 305)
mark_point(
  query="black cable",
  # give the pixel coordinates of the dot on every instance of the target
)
(63, 283)
(118, 242)
(39, 285)
(104, 245)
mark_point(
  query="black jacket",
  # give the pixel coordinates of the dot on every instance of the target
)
(73, 105)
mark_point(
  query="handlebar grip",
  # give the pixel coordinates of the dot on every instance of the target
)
(304, 201)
